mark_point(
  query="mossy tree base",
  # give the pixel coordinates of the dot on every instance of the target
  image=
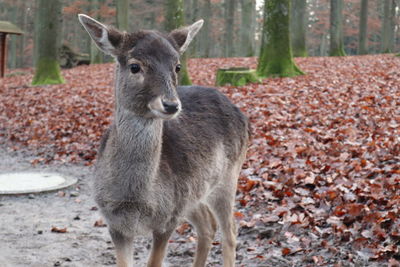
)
(47, 72)
(278, 68)
(337, 53)
(276, 57)
(236, 76)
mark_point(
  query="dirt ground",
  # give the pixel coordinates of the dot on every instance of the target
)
(26, 221)
(26, 238)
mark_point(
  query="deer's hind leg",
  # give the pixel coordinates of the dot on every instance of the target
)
(124, 248)
(222, 207)
(221, 202)
(205, 224)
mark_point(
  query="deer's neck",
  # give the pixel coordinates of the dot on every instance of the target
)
(139, 146)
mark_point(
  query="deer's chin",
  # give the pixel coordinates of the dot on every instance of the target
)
(163, 115)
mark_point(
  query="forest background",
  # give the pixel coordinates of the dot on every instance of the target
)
(321, 183)
(240, 20)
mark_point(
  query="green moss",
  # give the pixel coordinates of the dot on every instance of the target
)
(175, 14)
(184, 78)
(174, 20)
(278, 67)
(236, 76)
(337, 52)
(47, 72)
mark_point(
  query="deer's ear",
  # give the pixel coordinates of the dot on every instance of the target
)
(107, 39)
(185, 35)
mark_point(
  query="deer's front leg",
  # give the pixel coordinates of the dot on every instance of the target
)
(160, 243)
(123, 247)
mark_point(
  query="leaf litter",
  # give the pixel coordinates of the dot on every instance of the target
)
(323, 165)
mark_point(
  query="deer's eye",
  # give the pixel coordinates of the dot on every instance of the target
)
(178, 68)
(135, 68)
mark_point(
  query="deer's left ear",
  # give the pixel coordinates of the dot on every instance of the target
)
(183, 36)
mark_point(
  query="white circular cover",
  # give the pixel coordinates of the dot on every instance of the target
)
(32, 182)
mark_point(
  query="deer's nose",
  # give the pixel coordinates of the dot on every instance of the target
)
(170, 107)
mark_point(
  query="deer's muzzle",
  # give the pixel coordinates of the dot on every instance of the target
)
(165, 109)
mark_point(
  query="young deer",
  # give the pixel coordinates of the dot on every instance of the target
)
(172, 153)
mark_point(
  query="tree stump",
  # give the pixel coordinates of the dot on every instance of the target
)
(69, 58)
(236, 76)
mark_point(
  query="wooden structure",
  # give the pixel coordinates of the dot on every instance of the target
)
(6, 28)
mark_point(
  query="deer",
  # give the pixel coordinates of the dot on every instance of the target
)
(172, 154)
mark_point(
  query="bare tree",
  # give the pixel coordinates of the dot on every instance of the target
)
(122, 14)
(276, 53)
(48, 18)
(175, 19)
(229, 48)
(298, 27)
(362, 36)
(247, 27)
(336, 29)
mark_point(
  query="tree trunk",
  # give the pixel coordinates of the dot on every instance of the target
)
(336, 29)
(298, 27)
(96, 57)
(205, 36)
(247, 27)
(229, 27)
(24, 19)
(36, 20)
(386, 26)
(174, 14)
(392, 36)
(174, 19)
(12, 58)
(362, 36)
(47, 42)
(23, 37)
(122, 14)
(323, 50)
(193, 51)
(276, 53)
(151, 16)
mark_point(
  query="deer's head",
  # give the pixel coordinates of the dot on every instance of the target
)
(148, 65)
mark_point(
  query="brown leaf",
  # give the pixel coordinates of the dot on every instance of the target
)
(183, 228)
(99, 223)
(58, 230)
(286, 251)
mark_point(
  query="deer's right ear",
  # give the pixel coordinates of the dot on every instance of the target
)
(107, 39)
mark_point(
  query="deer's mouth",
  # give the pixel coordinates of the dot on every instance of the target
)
(164, 109)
